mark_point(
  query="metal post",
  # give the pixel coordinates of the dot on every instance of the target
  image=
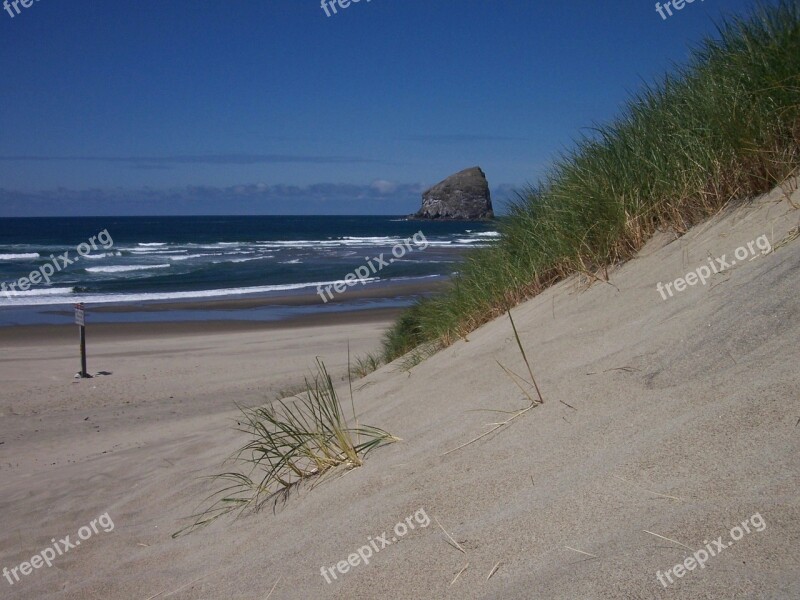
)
(84, 374)
(80, 320)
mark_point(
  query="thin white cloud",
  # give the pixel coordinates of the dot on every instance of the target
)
(382, 186)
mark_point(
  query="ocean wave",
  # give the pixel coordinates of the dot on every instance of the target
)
(413, 277)
(424, 261)
(241, 260)
(55, 296)
(221, 246)
(472, 241)
(190, 256)
(39, 292)
(104, 255)
(161, 296)
(23, 256)
(379, 239)
(152, 244)
(344, 242)
(151, 251)
(297, 244)
(125, 268)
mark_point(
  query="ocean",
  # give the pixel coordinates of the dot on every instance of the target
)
(140, 261)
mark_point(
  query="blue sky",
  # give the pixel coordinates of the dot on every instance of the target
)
(271, 107)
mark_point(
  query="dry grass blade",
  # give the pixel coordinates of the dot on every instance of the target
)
(524, 357)
(646, 490)
(161, 594)
(494, 570)
(626, 369)
(464, 568)
(668, 539)
(580, 551)
(483, 435)
(273, 587)
(455, 544)
(790, 237)
(350, 385)
(518, 381)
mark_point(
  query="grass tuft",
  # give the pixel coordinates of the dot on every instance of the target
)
(291, 441)
(364, 365)
(518, 381)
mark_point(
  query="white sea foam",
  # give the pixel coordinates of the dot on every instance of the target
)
(37, 292)
(150, 251)
(298, 244)
(413, 277)
(241, 260)
(472, 241)
(54, 296)
(190, 256)
(379, 239)
(127, 298)
(125, 268)
(345, 242)
(23, 256)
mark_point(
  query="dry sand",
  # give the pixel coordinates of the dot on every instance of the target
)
(685, 424)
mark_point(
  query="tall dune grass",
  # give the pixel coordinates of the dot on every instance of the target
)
(725, 126)
(291, 441)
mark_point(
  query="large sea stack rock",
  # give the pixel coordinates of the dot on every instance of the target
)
(464, 197)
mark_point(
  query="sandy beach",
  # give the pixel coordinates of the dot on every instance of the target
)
(163, 367)
(400, 300)
(666, 423)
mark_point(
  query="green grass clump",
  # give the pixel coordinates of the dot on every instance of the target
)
(364, 365)
(290, 442)
(725, 126)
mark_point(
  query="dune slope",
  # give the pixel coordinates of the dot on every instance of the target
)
(682, 423)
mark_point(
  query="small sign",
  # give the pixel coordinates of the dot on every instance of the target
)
(80, 313)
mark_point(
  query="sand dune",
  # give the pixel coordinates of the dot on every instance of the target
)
(685, 424)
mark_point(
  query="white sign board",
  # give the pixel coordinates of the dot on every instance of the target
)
(80, 315)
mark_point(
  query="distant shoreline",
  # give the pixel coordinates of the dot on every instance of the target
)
(306, 297)
(37, 335)
(383, 301)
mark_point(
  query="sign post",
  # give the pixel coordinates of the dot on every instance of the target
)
(80, 320)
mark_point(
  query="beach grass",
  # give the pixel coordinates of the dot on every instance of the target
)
(290, 441)
(724, 126)
(518, 380)
(366, 364)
